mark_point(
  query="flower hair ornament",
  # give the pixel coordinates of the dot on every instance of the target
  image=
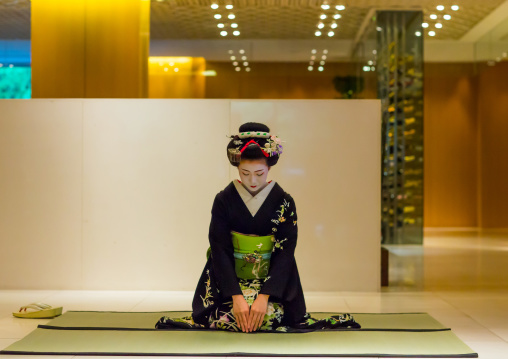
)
(270, 145)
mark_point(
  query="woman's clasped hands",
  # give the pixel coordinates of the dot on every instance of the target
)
(250, 319)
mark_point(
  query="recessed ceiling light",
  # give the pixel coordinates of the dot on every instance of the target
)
(234, 25)
(325, 6)
(220, 25)
(217, 16)
(440, 7)
(418, 33)
(236, 33)
(317, 33)
(325, 51)
(313, 51)
(247, 69)
(237, 68)
(242, 51)
(439, 25)
(245, 63)
(229, 6)
(231, 16)
(447, 17)
(333, 25)
(223, 33)
(337, 16)
(340, 7)
(331, 33)
(214, 6)
(455, 7)
(322, 16)
(310, 68)
(425, 25)
(433, 16)
(432, 33)
(176, 69)
(235, 63)
(321, 68)
(320, 25)
(233, 58)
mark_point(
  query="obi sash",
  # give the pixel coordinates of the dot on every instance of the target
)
(252, 255)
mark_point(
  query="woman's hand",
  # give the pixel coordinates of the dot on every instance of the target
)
(241, 312)
(258, 312)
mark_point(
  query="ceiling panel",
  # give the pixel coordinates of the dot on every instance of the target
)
(267, 19)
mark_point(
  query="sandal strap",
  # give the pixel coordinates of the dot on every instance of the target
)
(36, 306)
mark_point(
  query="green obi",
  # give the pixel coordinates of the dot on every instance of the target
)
(252, 255)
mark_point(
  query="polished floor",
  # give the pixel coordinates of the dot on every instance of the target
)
(459, 277)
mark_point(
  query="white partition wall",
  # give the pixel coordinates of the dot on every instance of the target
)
(116, 194)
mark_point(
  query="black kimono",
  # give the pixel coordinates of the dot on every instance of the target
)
(270, 212)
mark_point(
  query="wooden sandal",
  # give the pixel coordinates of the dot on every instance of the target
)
(40, 311)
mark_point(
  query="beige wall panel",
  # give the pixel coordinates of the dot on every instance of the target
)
(331, 167)
(152, 169)
(40, 194)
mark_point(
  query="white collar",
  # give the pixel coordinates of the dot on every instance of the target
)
(253, 203)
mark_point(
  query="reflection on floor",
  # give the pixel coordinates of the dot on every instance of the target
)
(458, 277)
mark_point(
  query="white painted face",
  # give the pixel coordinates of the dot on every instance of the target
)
(253, 174)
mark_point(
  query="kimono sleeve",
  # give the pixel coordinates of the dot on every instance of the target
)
(222, 250)
(282, 262)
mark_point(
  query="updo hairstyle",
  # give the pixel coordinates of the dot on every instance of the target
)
(252, 151)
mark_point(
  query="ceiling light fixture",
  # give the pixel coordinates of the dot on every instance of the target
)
(432, 33)
(438, 25)
(317, 33)
(340, 7)
(234, 25)
(447, 17)
(224, 33)
(214, 6)
(440, 7)
(217, 16)
(455, 7)
(320, 25)
(231, 16)
(337, 16)
(331, 33)
(433, 16)
(236, 33)
(229, 6)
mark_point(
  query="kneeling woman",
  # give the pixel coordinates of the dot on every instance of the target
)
(250, 281)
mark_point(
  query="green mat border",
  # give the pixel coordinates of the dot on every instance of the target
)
(53, 327)
(471, 355)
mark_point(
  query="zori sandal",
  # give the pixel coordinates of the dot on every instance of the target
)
(40, 311)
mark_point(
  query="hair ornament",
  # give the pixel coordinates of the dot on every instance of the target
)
(255, 134)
